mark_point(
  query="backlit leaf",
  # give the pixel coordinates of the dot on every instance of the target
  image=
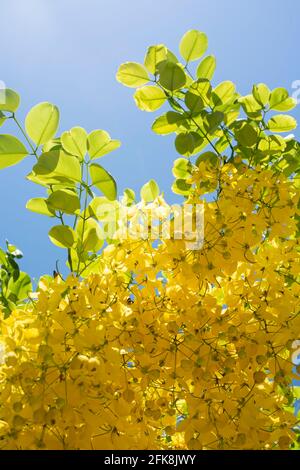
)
(132, 74)
(41, 122)
(193, 45)
(12, 151)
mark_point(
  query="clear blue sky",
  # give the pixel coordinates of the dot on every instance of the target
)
(68, 51)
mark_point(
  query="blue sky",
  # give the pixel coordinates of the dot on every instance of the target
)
(68, 51)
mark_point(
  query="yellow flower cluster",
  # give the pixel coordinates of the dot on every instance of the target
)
(165, 347)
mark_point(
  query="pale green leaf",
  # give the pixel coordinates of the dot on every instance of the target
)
(100, 143)
(58, 164)
(64, 200)
(168, 123)
(207, 67)
(193, 45)
(180, 186)
(12, 151)
(149, 98)
(21, 287)
(278, 96)
(261, 93)
(103, 181)
(181, 168)
(132, 74)
(150, 191)
(40, 206)
(41, 122)
(9, 100)
(155, 55)
(74, 141)
(223, 92)
(282, 123)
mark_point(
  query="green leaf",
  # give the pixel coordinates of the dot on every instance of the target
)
(40, 206)
(128, 197)
(287, 105)
(214, 120)
(181, 168)
(208, 157)
(193, 45)
(278, 96)
(207, 67)
(186, 143)
(261, 93)
(41, 122)
(12, 151)
(202, 89)
(282, 123)
(280, 100)
(171, 75)
(168, 123)
(74, 141)
(57, 165)
(251, 107)
(180, 186)
(100, 143)
(271, 145)
(101, 208)
(149, 98)
(92, 239)
(223, 92)
(53, 144)
(194, 102)
(132, 74)
(246, 135)
(103, 181)
(155, 55)
(9, 100)
(20, 288)
(64, 200)
(150, 191)
(62, 236)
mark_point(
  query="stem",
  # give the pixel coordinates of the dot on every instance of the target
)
(84, 220)
(25, 136)
(60, 216)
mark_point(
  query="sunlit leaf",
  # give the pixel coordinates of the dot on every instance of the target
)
(103, 181)
(100, 143)
(57, 164)
(282, 123)
(74, 141)
(132, 74)
(62, 236)
(180, 186)
(207, 67)
(168, 123)
(9, 100)
(150, 191)
(149, 98)
(64, 200)
(12, 151)
(171, 75)
(40, 206)
(193, 45)
(261, 93)
(42, 122)
(155, 55)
